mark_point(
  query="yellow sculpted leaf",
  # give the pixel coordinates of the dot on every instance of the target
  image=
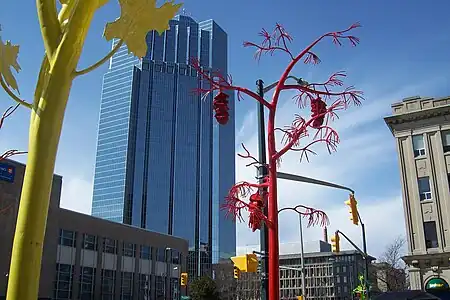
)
(137, 18)
(8, 60)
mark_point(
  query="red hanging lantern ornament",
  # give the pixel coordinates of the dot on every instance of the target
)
(318, 111)
(255, 209)
(220, 107)
(235, 204)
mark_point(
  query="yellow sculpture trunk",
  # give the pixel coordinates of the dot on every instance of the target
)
(45, 130)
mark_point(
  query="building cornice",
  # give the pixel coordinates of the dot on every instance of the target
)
(415, 116)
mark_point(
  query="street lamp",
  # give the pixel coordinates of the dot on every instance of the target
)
(262, 172)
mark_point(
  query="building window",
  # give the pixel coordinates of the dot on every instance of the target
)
(160, 287)
(446, 140)
(127, 286)
(418, 145)
(63, 282)
(345, 279)
(170, 69)
(87, 281)
(424, 188)
(129, 249)
(144, 286)
(89, 242)
(110, 246)
(108, 279)
(344, 268)
(431, 239)
(146, 252)
(158, 68)
(175, 257)
(161, 254)
(67, 238)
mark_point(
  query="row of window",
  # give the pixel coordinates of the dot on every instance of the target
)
(64, 284)
(68, 238)
(419, 143)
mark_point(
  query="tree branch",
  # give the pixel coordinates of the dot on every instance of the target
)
(101, 61)
(337, 36)
(249, 156)
(5, 115)
(219, 83)
(12, 95)
(50, 27)
(300, 130)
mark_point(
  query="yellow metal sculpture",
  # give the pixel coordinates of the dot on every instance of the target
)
(64, 34)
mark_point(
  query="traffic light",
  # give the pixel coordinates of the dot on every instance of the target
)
(246, 263)
(183, 279)
(236, 272)
(335, 243)
(353, 209)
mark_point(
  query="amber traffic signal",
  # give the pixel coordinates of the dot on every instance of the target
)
(236, 272)
(335, 243)
(353, 209)
(246, 263)
(183, 279)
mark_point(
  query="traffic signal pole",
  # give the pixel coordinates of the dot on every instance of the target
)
(363, 253)
(366, 263)
(262, 173)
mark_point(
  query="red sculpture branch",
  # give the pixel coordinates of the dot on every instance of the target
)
(276, 41)
(235, 203)
(315, 216)
(5, 115)
(217, 82)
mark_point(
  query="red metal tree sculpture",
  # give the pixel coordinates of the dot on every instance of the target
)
(323, 102)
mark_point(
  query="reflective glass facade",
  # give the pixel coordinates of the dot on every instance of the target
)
(162, 161)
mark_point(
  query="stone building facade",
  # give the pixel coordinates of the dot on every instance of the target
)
(421, 127)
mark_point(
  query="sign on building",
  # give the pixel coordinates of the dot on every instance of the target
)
(7, 172)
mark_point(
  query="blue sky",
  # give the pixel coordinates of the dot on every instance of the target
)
(403, 52)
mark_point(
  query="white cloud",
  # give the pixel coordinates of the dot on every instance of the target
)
(76, 195)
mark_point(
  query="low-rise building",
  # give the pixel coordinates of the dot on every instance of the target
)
(90, 258)
(328, 275)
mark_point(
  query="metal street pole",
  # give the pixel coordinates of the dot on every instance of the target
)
(366, 262)
(302, 257)
(261, 174)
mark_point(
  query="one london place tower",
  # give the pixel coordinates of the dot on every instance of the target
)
(162, 162)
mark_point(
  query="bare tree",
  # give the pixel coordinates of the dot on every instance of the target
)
(390, 271)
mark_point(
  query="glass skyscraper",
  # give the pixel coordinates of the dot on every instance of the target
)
(162, 161)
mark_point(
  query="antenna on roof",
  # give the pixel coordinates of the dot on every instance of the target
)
(185, 13)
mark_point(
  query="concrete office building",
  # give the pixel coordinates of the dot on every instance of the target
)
(91, 258)
(421, 127)
(328, 276)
